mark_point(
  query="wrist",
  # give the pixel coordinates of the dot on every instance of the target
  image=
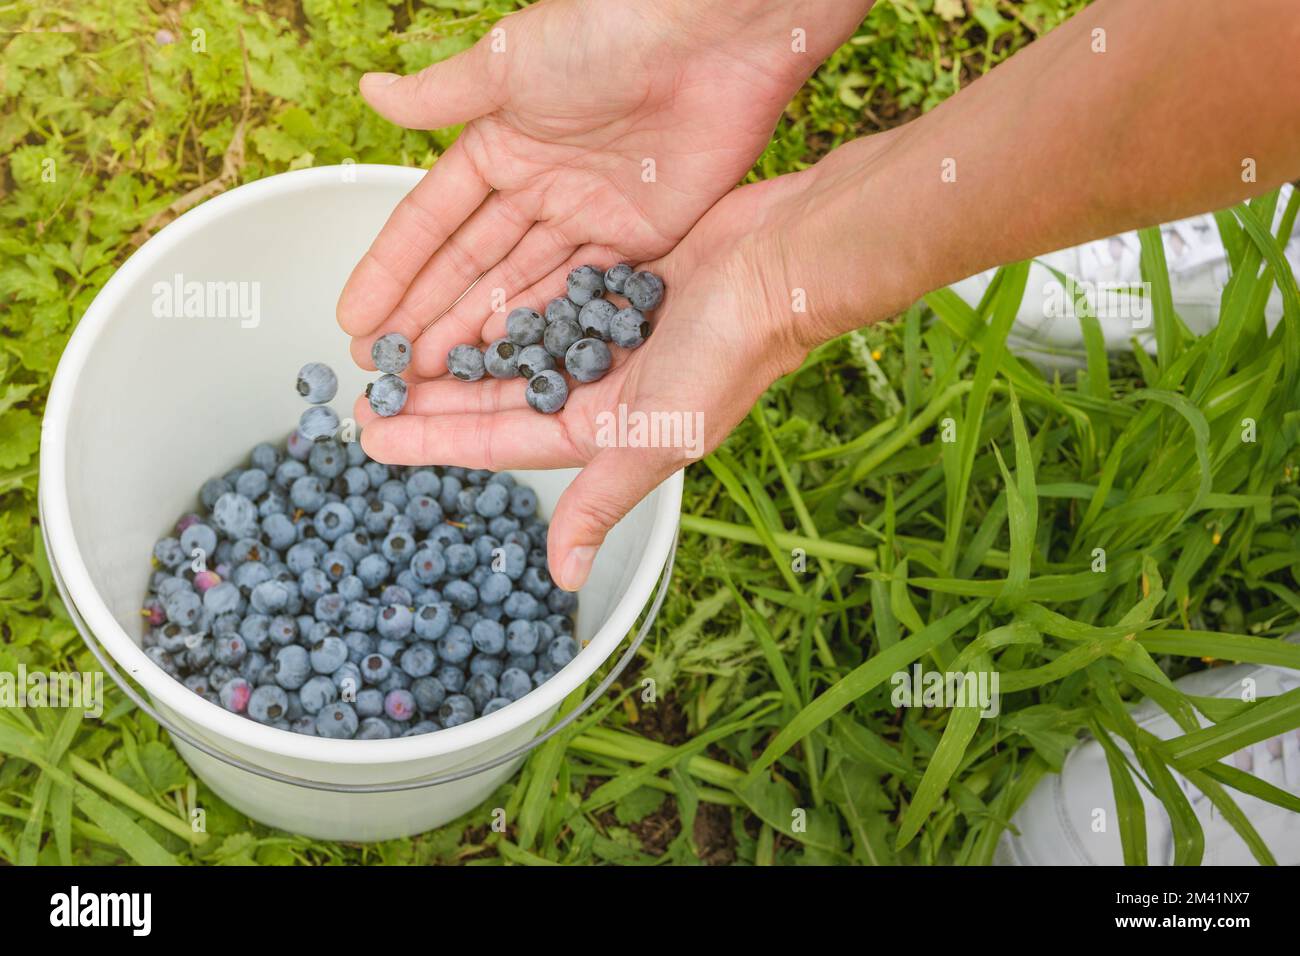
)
(847, 243)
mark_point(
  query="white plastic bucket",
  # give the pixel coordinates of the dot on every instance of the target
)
(144, 408)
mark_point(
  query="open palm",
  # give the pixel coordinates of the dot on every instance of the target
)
(715, 346)
(598, 131)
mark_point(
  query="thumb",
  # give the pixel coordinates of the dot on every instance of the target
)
(605, 490)
(456, 90)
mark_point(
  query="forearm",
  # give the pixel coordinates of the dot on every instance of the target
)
(1059, 145)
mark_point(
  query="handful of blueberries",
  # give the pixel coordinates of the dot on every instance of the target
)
(574, 330)
(322, 592)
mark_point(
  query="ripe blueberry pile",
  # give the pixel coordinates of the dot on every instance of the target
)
(322, 592)
(573, 330)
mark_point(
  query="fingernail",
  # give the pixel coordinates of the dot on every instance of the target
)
(577, 566)
(380, 79)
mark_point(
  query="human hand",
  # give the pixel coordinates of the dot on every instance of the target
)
(565, 103)
(719, 338)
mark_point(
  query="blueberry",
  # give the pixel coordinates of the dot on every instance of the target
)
(319, 692)
(595, 318)
(495, 704)
(369, 702)
(456, 645)
(424, 512)
(587, 360)
(292, 666)
(282, 630)
(338, 721)
(486, 664)
(391, 353)
(266, 456)
(521, 637)
(514, 683)
(489, 637)
(547, 391)
(333, 521)
(495, 588)
(562, 650)
(432, 621)
(428, 693)
(196, 536)
(419, 660)
(183, 608)
(615, 276)
(213, 489)
(359, 644)
(317, 383)
(452, 677)
(347, 679)
(267, 703)
(279, 531)
(514, 561)
(230, 650)
(290, 470)
(492, 501)
(561, 309)
(481, 688)
(395, 622)
(456, 709)
(235, 516)
(387, 396)
(398, 547)
(560, 601)
(428, 565)
(218, 598)
(356, 544)
(525, 662)
(375, 668)
(235, 694)
(423, 727)
(327, 459)
(628, 328)
(501, 359)
(308, 494)
(584, 284)
(328, 655)
(460, 559)
(318, 423)
(372, 728)
(355, 481)
(534, 359)
(399, 705)
(466, 363)
(523, 502)
(560, 335)
(644, 290)
(525, 327)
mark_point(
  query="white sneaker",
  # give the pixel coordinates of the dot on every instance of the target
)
(1056, 824)
(1046, 329)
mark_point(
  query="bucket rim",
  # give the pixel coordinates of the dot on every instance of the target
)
(65, 554)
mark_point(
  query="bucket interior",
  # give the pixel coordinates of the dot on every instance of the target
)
(166, 401)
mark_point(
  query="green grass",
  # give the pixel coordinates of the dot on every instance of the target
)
(835, 539)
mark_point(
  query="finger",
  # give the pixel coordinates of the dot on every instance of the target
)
(447, 195)
(451, 396)
(455, 90)
(604, 491)
(538, 257)
(487, 237)
(512, 439)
